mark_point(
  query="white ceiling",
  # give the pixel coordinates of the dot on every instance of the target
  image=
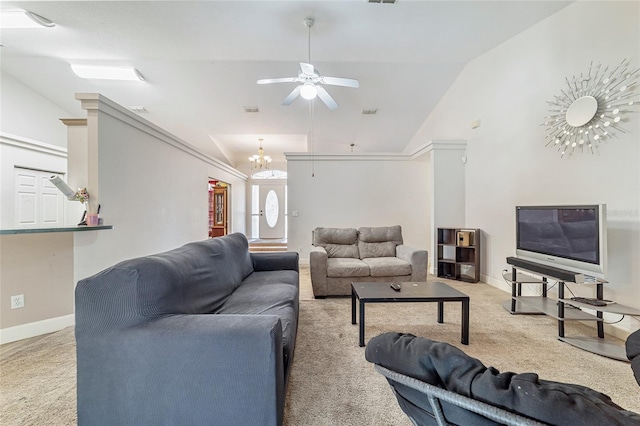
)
(201, 60)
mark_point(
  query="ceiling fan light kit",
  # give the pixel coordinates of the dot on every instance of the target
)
(311, 80)
(308, 91)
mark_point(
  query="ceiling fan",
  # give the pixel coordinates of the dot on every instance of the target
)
(311, 80)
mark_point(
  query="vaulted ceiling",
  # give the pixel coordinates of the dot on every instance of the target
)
(201, 60)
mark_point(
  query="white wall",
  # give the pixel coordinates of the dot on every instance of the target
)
(354, 191)
(508, 164)
(153, 188)
(27, 114)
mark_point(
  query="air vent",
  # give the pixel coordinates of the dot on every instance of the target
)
(138, 109)
(370, 111)
(383, 1)
(251, 109)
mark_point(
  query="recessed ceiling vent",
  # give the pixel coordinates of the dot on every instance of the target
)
(251, 109)
(370, 111)
(383, 1)
(138, 109)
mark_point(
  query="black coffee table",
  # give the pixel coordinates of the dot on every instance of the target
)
(435, 291)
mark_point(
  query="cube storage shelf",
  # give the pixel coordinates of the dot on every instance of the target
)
(459, 254)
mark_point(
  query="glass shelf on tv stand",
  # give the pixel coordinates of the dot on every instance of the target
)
(525, 305)
(570, 310)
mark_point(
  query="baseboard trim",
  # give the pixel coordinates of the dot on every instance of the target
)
(32, 329)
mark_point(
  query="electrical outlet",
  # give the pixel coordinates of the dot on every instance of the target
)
(17, 301)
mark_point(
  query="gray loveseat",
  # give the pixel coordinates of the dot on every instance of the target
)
(341, 256)
(200, 335)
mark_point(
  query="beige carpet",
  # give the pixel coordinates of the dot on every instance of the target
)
(331, 383)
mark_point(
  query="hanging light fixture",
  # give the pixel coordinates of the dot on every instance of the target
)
(259, 160)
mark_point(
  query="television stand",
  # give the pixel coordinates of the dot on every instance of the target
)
(543, 305)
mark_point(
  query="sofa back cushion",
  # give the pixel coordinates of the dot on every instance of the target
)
(379, 241)
(196, 278)
(338, 242)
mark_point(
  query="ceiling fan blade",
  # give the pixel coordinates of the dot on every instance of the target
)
(294, 94)
(277, 80)
(326, 97)
(306, 68)
(339, 81)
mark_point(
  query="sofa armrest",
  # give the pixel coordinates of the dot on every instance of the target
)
(318, 269)
(418, 259)
(183, 369)
(275, 261)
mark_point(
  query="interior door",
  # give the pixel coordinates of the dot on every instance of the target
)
(271, 211)
(38, 202)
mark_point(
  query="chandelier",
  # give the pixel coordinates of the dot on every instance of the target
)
(260, 161)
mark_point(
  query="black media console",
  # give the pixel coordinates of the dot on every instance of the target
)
(542, 305)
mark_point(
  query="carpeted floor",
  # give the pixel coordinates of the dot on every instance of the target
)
(331, 383)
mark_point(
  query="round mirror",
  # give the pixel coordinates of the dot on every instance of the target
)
(581, 111)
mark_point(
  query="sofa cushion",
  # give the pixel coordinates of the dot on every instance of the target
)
(324, 236)
(342, 250)
(386, 249)
(193, 279)
(379, 241)
(387, 266)
(269, 293)
(381, 234)
(338, 242)
(346, 267)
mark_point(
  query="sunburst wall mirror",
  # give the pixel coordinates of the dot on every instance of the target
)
(591, 109)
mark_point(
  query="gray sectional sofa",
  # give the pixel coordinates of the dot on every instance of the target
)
(203, 334)
(341, 256)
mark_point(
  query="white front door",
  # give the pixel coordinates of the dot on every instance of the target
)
(271, 211)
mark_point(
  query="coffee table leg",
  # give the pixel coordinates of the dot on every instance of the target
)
(361, 324)
(465, 322)
(440, 312)
(353, 306)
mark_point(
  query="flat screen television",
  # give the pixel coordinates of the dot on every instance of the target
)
(566, 237)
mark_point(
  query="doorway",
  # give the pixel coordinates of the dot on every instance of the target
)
(269, 211)
(218, 208)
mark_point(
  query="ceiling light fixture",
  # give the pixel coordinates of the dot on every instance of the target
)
(107, 73)
(23, 19)
(308, 91)
(259, 160)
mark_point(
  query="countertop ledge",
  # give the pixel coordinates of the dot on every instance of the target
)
(54, 229)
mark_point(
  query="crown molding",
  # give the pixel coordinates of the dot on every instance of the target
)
(380, 156)
(444, 145)
(93, 102)
(32, 145)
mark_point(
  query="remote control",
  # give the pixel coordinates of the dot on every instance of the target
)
(396, 286)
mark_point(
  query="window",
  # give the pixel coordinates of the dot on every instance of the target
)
(269, 174)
